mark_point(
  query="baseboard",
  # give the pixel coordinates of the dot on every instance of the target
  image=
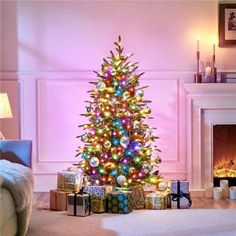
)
(197, 192)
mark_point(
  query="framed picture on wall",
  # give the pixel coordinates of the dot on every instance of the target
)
(227, 24)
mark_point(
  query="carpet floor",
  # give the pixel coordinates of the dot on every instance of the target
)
(184, 222)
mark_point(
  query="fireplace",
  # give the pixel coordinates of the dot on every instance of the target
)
(210, 107)
(224, 153)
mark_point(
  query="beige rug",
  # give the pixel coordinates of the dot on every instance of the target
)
(189, 222)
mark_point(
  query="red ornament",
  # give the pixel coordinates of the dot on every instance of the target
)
(119, 148)
(131, 90)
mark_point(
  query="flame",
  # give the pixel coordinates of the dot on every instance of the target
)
(225, 169)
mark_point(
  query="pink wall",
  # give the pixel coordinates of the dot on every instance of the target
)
(52, 47)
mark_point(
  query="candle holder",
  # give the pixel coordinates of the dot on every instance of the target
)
(213, 69)
(198, 76)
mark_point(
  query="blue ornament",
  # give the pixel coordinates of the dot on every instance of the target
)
(124, 132)
(115, 141)
(135, 146)
(129, 153)
(117, 123)
(114, 173)
(125, 169)
(84, 155)
(119, 92)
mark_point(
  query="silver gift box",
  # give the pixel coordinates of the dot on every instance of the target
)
(78, 204)
(184, 188)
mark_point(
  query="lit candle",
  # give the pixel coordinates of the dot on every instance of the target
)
(232, 193)
(224, 184)
(209, 190)
(217, 193)
(208, 71)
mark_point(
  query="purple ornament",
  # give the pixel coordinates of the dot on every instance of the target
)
(135, 146)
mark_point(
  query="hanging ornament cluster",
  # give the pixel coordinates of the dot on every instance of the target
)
(118, 148)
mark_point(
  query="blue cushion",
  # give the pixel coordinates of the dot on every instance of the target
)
(18, 151)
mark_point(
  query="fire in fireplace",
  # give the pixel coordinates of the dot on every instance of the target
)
(224, 153)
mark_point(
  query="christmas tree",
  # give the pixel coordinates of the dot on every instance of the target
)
(117, 143)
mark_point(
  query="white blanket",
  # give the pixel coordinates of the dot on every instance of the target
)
(18, 179)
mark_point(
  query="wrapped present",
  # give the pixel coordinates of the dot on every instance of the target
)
(98, 205)
(69, 180)
(157, 200)
(138, 196)
(180, 197)
(79, 204)
(98, 191)
(58, 200)
(120, 202)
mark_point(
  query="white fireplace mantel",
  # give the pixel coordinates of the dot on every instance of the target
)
(207, 105)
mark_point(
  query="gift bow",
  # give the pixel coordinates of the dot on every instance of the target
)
(176, 197)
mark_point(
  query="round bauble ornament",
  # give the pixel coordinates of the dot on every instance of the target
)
(147, 110)
(162, 186)
(100, 85)
(129, 153)
(94, 161)
(84, 155)
(135, 146)
(98, 121)
(113, 173)
(113, 72)
(115, 142)
(123, 132)
(126, 95)
(124, 141)
(121, 179)
(139, 93)
(117, 123)
(107, 144)
(119, 92)
(115, 83)
(84, 137)
(107, 113)
(123, 83)
(146, 167)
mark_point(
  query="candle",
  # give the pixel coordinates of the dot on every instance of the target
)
(208, 71)
(224, 184)
(197, 45)
(232, 193)
(217, 193)
(209, 190)
(214, 49)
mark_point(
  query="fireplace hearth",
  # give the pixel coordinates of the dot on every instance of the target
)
(224, 153)
(209, 106)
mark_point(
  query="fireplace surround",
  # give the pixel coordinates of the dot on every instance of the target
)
(207, 105)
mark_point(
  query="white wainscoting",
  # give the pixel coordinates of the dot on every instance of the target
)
(51, 104)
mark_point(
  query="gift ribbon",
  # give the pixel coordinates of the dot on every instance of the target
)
(88, 206)
(180, 194)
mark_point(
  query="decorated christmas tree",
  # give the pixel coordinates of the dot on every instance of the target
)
(118, 146)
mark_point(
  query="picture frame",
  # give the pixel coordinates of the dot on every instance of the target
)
(227, 24)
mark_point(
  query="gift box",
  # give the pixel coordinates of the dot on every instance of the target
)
(69, 180)
(120, 202)
(98, 205)
(138, 196)
(156, 201)
(79, 204)
(58, 200)
(180, 196)
(99, 191)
